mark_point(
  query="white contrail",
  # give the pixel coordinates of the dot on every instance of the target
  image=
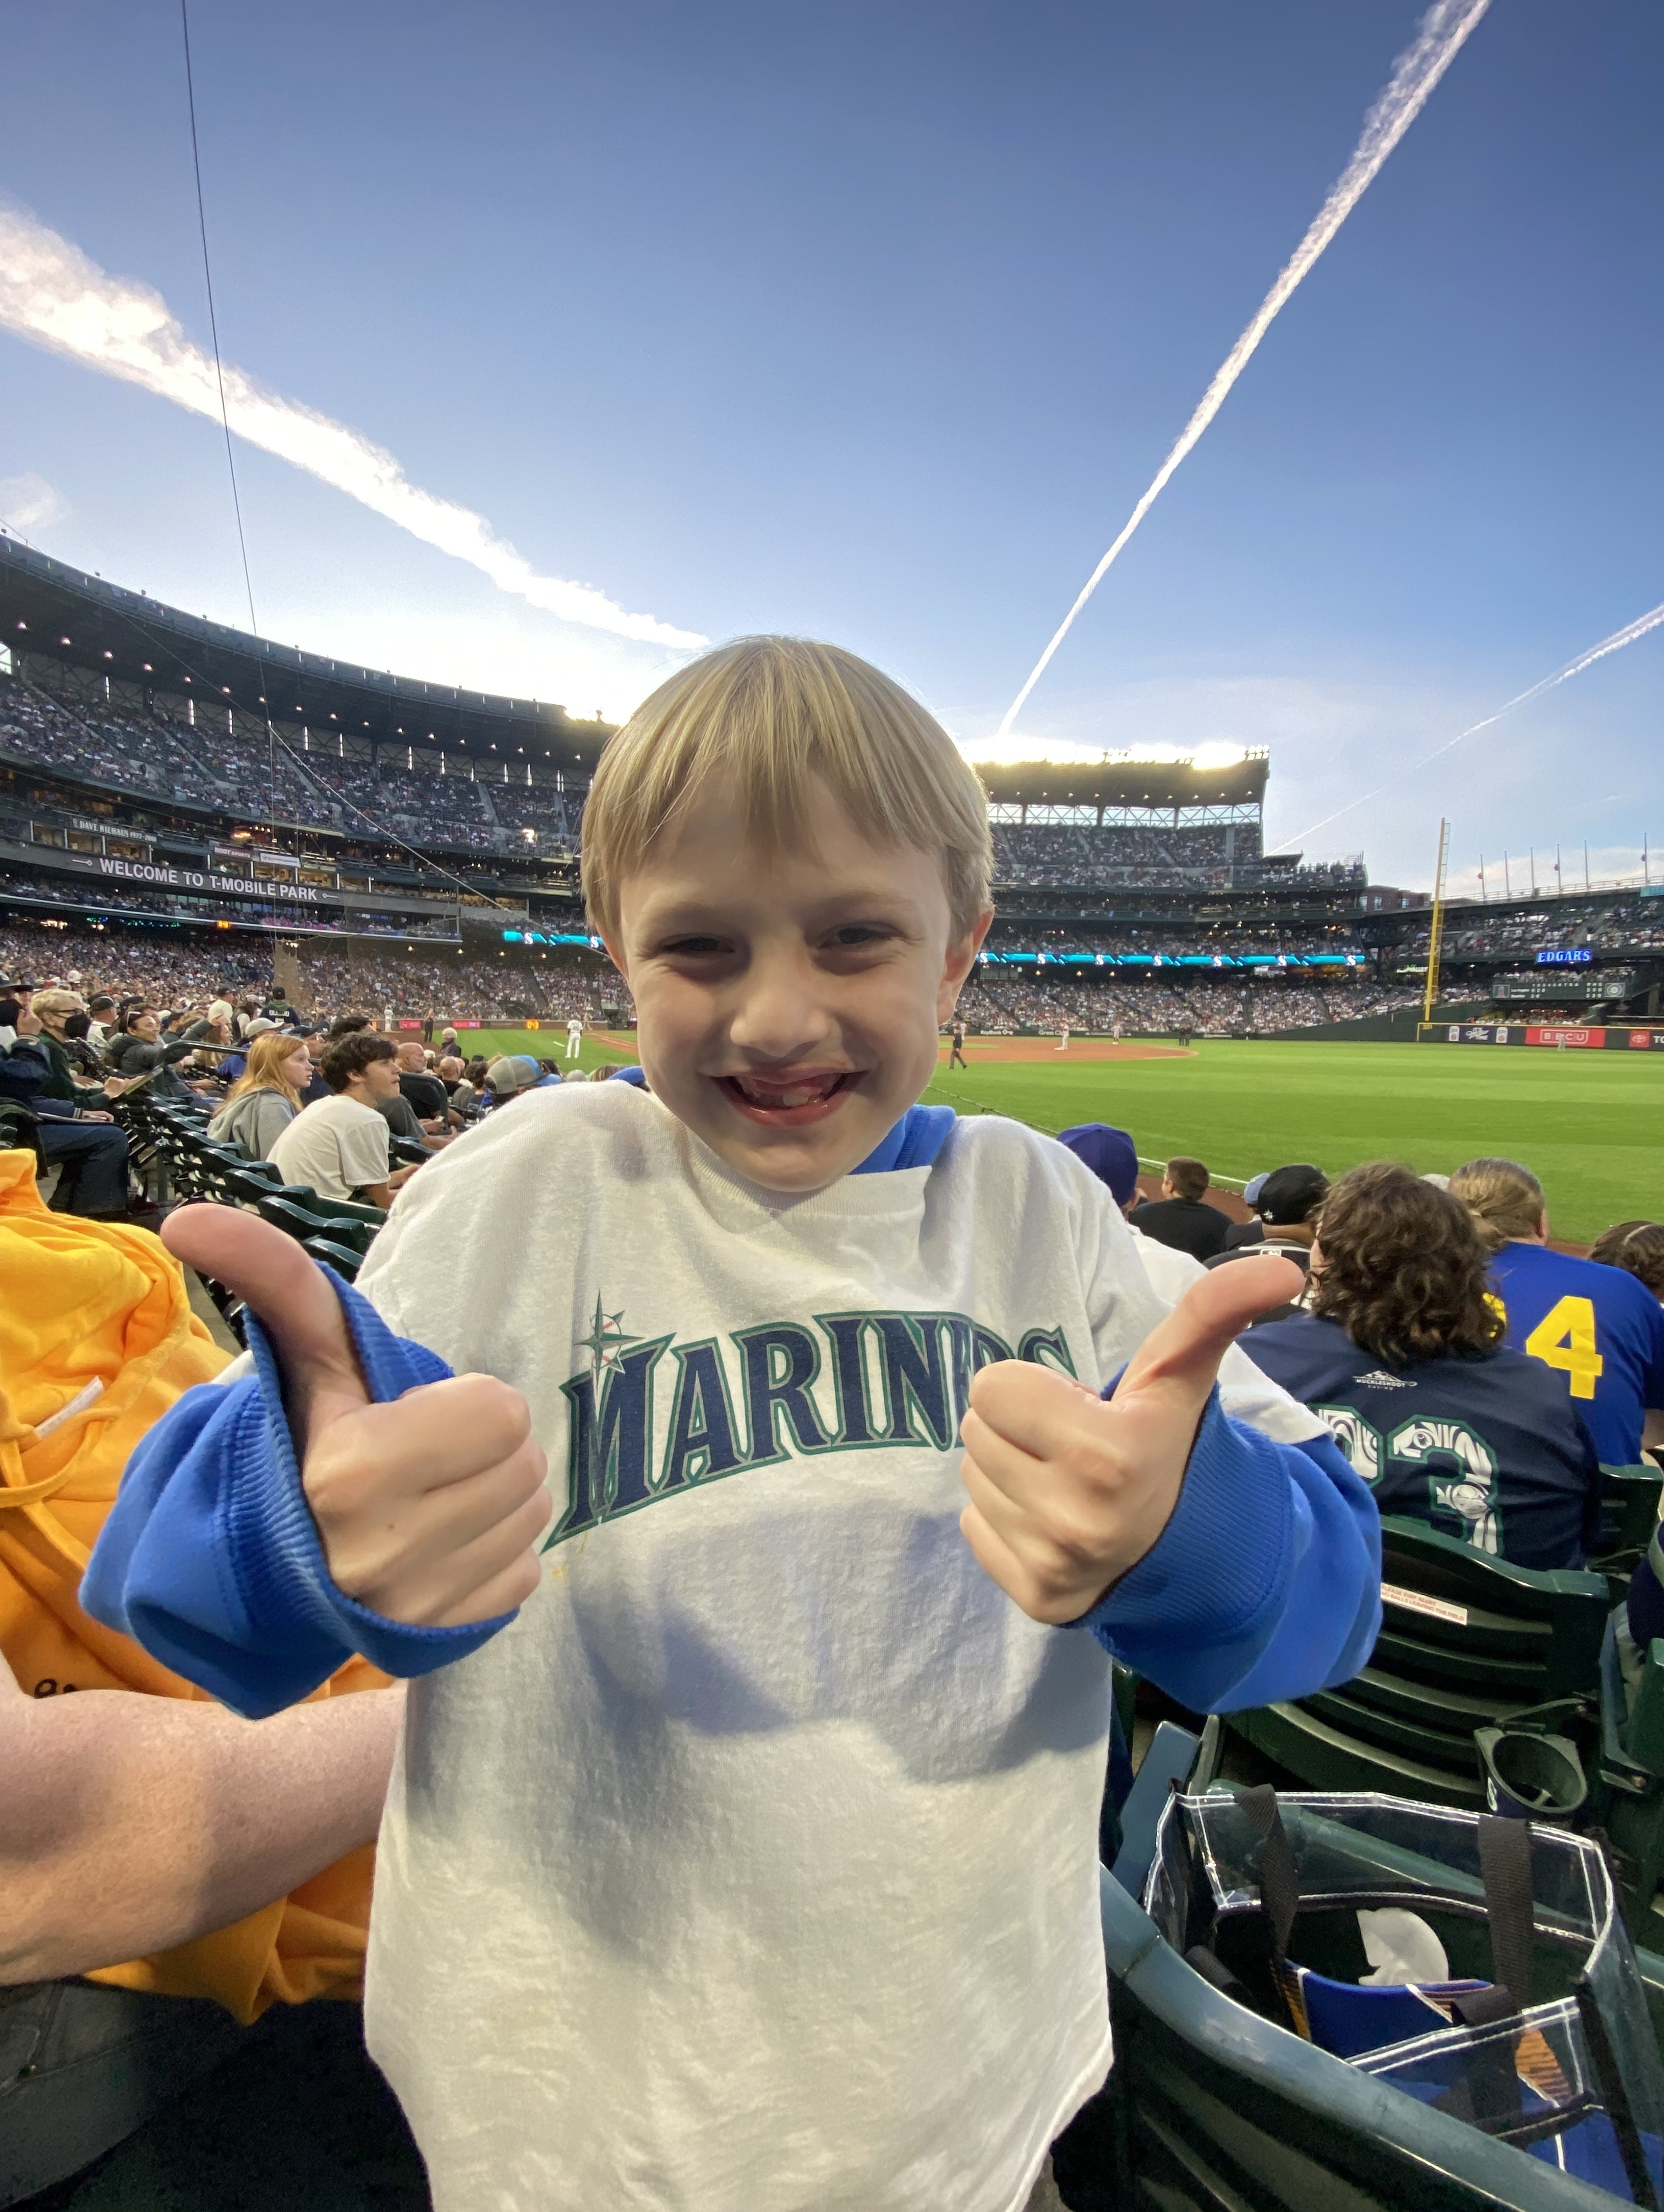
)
(1439, 37)
(1615, 643)
(52, 294)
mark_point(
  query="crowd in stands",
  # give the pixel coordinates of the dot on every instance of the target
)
(1062, 854)
(235, 768)
(1563, 926)
(998, 1003)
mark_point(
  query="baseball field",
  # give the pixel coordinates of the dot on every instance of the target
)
(1589, 1123)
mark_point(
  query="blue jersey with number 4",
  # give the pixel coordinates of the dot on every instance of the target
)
(1484, 1448)
(1600, 1328)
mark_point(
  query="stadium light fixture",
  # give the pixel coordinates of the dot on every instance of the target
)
(146, 666)
(63, 641)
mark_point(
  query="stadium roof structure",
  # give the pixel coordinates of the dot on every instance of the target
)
(48, 608)
(1112, 785)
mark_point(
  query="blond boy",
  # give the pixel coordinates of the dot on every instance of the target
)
(743, 1859)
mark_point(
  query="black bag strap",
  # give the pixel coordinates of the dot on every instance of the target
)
(1511, 1907)
(1279, 1879)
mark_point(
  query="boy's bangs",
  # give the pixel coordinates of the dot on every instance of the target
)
(772, 715)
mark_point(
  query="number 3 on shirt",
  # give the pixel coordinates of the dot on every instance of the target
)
(1564, 1338)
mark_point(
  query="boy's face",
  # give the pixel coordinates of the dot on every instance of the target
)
(788, 1002)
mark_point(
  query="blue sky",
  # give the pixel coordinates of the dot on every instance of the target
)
(872, 321)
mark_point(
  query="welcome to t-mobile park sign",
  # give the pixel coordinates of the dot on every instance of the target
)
(199, 879)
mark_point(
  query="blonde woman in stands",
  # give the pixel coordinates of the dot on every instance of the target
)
(266, 1097)
(1598, 1328)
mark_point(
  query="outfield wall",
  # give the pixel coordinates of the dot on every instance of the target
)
(1558, 1035)
(1401, 1028)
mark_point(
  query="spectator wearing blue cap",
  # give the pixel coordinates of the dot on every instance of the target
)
(1113, 1158)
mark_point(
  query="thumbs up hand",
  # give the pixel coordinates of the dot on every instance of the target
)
(429, 1508)
(1067, 1493)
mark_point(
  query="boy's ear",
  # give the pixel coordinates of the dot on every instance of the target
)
(961, 956)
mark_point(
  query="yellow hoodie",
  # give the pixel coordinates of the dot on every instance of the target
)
(97, 1339)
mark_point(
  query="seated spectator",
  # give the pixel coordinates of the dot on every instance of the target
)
(138, 1049)
(77, 1074)
(266, 1097)
(516, 1072)
(1402, 1354)
(1598, 1328)
(340, 1146)
(1113, 1158)
(314, 1088)
(427, 1095)
(101, 1012)
(82, 1142)
(1286, 1205)
(1179, 1217)
(1637, 1247)
(231, 1069)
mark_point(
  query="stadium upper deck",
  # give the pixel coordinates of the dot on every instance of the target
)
(180, 785)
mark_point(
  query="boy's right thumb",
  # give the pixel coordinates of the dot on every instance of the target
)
(292, 1297)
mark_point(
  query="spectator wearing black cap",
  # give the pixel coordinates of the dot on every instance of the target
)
(1402, 1355)
(1180, 1218)
(1286, 1205)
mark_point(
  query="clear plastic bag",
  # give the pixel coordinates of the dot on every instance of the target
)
(1263, 1895)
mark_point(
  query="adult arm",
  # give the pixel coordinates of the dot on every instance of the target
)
(128, 1824)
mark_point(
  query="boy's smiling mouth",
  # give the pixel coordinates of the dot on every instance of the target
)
(788, 1098)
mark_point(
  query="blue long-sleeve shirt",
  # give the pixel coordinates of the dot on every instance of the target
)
(1265, 1583)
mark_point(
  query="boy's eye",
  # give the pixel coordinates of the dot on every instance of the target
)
(682, 947)
(860, 932)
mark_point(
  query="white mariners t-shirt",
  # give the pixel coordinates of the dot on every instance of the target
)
(753, 1868)
(337, 1145)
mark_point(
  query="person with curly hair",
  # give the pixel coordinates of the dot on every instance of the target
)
(1402, 1353)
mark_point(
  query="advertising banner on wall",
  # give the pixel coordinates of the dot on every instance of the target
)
(1559, 1036)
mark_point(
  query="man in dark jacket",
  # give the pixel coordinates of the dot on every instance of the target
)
(1178, 1217)
(82, 1141)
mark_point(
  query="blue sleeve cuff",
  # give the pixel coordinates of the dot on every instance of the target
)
(210, 1558)
(1265, 1582)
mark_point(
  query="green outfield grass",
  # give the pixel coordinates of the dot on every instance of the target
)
(1587, 1122)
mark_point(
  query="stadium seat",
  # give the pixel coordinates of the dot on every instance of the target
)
(330, 1252)
(1467, 1642)
(1629, 1799)
(1629, 1509)
(303, 1215)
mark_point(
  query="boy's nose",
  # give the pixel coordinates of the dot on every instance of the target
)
(779, 1011)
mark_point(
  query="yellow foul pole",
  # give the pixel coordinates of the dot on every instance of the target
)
(1435, 935)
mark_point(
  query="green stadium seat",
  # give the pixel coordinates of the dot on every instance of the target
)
(1466, 1641)
(1629, 1509)
(1629, 1797)
(329, 1252)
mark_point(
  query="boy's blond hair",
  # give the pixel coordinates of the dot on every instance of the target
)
(772, 713)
